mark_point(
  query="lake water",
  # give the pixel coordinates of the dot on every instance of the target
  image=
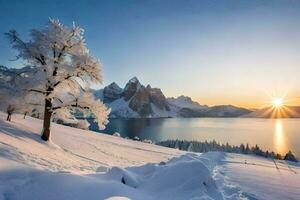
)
(278, 135)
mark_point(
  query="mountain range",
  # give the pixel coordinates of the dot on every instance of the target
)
(138, 101)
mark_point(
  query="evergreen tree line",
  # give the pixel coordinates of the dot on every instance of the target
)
(202, 147)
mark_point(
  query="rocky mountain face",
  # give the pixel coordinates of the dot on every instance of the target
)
(131, 88)
(112, 92)
(137, 97)
(136, 101)
(157, 98)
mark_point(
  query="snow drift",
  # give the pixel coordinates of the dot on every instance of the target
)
(184, 178)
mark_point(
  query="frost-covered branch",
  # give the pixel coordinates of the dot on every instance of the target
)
(89, 106)
(65, 69)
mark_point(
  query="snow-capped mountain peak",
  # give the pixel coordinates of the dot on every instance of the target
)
(185, 102)
(136, 100)
(134, 80)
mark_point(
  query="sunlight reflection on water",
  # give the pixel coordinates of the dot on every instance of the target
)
(279, 137)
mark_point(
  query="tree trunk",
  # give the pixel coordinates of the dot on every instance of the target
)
(47, 120)
(25, 115)
(8, 117)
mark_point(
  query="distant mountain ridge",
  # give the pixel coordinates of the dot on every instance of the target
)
(271, 112)
(138, 101)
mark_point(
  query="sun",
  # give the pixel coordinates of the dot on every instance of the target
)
(277, 103)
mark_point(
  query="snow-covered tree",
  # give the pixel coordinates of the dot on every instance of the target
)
(197, 146)
(10, 109)
(290, 156)
(64, 71)
(190, 147)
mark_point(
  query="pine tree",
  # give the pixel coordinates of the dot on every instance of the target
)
(190, 147)
(290, 156)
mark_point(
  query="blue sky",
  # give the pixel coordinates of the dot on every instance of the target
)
(217, 52)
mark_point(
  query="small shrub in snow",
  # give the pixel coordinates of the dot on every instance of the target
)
(162, 163)
(290, 157)
(147, 141)
(10, 110)
(117, 134)
(102, 169)
(83, 124)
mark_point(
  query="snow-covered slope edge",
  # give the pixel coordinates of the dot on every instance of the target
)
(71, 149)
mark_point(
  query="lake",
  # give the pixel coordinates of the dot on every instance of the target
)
(278, 135)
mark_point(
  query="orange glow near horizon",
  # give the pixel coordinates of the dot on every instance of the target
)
(277, 108)
(259, 101)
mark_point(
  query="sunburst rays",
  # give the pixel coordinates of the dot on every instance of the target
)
(278, 108)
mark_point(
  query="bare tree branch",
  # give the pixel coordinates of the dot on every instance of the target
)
(58, 99)
(14, 38)
(38, 91)
(34, 104)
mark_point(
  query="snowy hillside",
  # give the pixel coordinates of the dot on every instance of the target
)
(68, 148)
(80, 164)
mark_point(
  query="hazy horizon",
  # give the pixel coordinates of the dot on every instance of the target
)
(242, 53)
